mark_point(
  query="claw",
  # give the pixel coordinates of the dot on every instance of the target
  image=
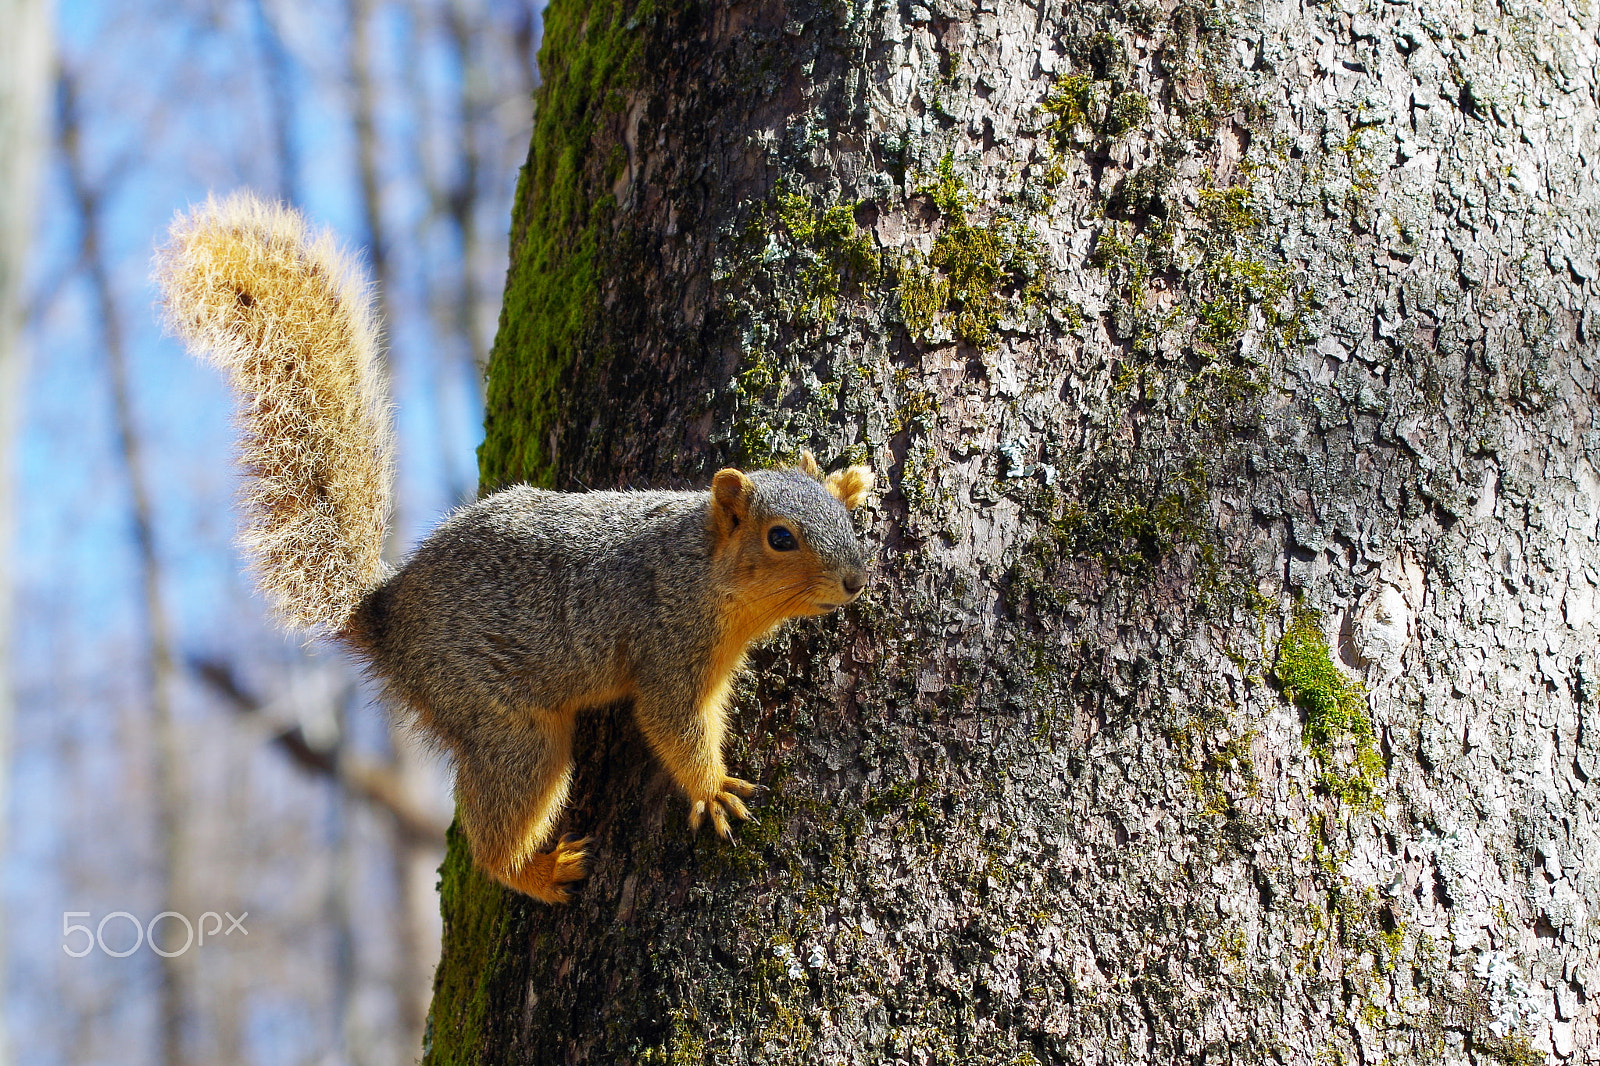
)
(734, 804)
(722, 803)
(545, 875)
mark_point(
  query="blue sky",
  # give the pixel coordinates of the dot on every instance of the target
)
(175, 103)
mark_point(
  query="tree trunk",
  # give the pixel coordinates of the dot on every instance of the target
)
(1226, 687)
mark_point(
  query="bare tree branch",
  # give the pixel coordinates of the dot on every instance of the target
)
(363, 779)
(362, 105)
(277, 65)
(167, 766)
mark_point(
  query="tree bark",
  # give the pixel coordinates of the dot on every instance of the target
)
(1226, 688)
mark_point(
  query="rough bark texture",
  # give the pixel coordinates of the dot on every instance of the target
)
(1226, 689)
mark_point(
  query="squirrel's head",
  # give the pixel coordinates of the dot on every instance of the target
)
(788, 536)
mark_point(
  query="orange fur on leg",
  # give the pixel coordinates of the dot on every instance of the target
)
(544, 875)
(512, 781)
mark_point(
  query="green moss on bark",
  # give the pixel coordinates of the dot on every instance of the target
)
(561, 229)
(972, 268)
(471, 1014)
(561, 238)
(1338, 730)
(827, 249)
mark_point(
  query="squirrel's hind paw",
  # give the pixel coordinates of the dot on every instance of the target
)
(743, 788)
(544, 876)
(720, 805)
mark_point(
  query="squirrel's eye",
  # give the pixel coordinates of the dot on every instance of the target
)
(781, 539)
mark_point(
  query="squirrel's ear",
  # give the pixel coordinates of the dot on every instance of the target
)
(808, 464)
(730, 499)
(850, 486)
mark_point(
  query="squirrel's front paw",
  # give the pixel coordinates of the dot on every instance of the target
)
(719, 804)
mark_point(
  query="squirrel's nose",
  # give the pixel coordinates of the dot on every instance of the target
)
(853, 583)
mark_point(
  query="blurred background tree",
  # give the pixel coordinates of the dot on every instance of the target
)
(173, 752)
(23, 77)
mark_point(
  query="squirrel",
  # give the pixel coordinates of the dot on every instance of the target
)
(519, 610)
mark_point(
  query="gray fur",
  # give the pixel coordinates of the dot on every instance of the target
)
(819, 519)
(528, 600)
(529, 606)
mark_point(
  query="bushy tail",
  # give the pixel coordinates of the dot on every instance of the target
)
(288, 316)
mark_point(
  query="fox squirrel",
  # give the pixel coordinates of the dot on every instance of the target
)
(520, 610)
